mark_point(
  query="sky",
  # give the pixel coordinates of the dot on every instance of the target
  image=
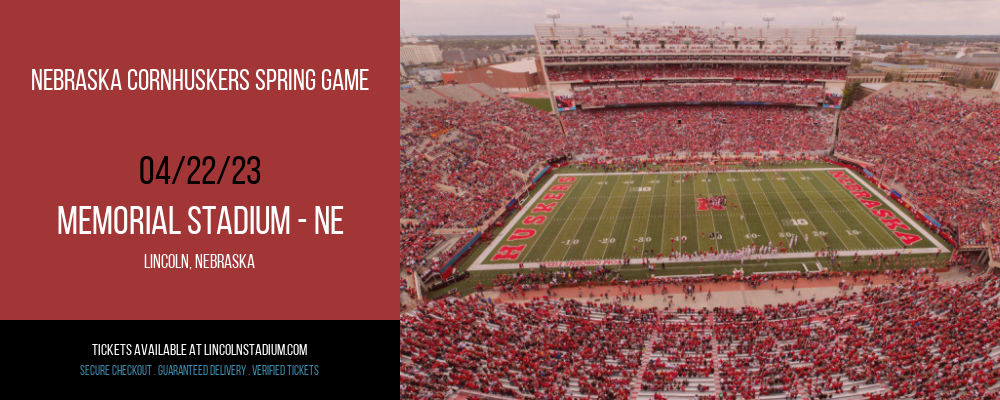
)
(513, 17)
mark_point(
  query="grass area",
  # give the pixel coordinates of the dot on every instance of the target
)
(633, 272)
(541, 104)
(595, 220)
(587, 218)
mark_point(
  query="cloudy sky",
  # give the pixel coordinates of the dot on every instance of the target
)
(471, 17)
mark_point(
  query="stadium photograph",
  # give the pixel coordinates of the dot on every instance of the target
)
(601, 205)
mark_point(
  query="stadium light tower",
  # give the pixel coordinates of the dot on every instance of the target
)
(626, 16)
(552, 14)
(768, 17)
(839, 16)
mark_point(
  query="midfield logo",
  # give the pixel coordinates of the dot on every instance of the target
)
(705, 205)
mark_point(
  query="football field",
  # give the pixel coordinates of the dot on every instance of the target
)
(589, 219)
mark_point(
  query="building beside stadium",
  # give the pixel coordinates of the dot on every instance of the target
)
(517, 76)
(865, 76)
(981, 64)
(914, 73)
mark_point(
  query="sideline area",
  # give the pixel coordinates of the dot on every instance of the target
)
(723, 294)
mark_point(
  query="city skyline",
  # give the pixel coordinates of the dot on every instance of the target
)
(516, 17)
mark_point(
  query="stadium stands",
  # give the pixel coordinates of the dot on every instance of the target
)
(696, 60)
(423, 98)
(462, 159)
(938, 145)
(881, 343)
(441, 95)
(664, 130)
(603, 95)
(744, 71)
(601, 39)
(609, 39)
(466, 151)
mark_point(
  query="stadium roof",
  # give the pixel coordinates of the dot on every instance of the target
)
(937, 90)
(526, 65)
(830, 27)
(874, 86)
(899, 66)
(991, 61)
(866, 71)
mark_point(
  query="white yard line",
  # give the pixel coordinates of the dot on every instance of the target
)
(740, 202)
(584, 221)
(510, 225)
(844, 207)
(478, 265)
(708, 188)
(559, 207)
(694, 187)
(821, 215)
(615, 223)
(631, 219)
(680, 276)
(899, 213)
(568, 218)
(666, 204)
(823, 182)
(779, 256)
(697, 172)
(594, 232)
(649, 216)
(759, 215)
(680, 221)
(775, 212)
(729, 210)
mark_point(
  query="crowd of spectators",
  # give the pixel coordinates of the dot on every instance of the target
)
(723, 48)
(537, 348)
(523, 280)
(530, 280)
(462, 162)
(680, 351)
(943, 153)
(673, 35)
(604, 95)
(914, 337)
(994, 237)
(688, 39)
(745, 71)
(663, 130)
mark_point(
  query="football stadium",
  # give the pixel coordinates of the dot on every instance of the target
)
(698, 218)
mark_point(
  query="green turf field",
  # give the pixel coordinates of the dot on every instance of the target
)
(542, 104)
(594, 218)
